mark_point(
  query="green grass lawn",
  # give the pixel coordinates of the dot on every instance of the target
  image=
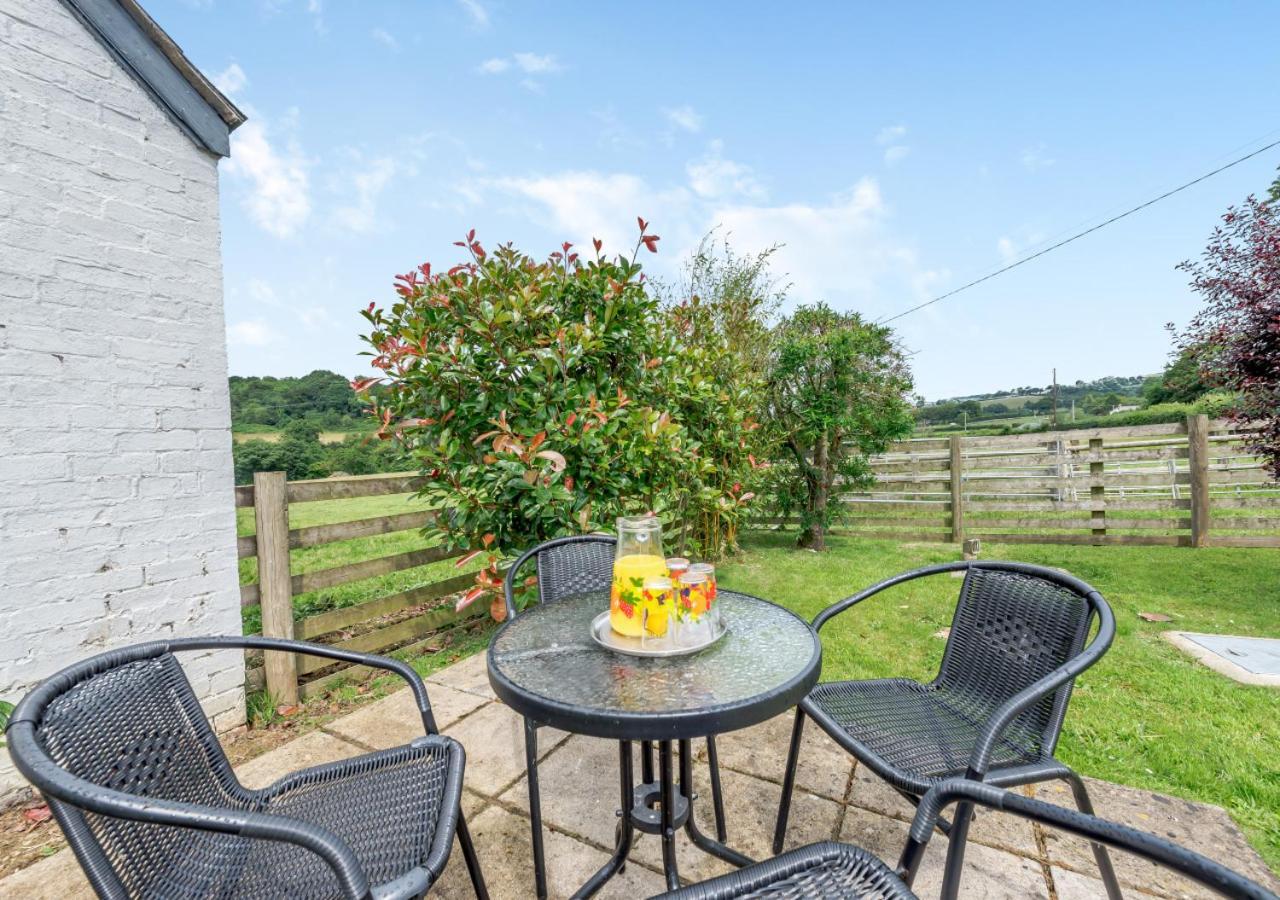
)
(1146, 715)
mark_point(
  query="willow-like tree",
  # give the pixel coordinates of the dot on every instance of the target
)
(838, 393)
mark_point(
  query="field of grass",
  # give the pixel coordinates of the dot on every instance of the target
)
(1145, 715)
(272, 436)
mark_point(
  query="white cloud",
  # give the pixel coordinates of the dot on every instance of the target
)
(231, 80)
(277, 186)
(1036, 158)
(495, 66)
(384, 37)
(890, 137)
(891, 134)
(896, 153)
(1011, 248)
(479, 15)
(1007, 249)
(367, 185)
(713, 176)
(315, 9)
(536, 64)
(251, 333)
(684, 117)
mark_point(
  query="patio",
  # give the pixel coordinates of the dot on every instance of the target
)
(1007, 857)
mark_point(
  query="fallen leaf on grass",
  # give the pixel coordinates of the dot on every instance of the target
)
(286, 710)
(1154, 617)
(943, 633)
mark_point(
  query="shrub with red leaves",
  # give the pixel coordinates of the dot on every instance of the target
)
(1236, 336)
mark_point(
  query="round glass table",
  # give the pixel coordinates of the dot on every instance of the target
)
(546, 666)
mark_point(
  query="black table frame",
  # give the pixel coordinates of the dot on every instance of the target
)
(671, 792)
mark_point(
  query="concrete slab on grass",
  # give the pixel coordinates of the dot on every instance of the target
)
(1254, 661)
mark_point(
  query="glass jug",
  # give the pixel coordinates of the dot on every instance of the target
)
(637, 558)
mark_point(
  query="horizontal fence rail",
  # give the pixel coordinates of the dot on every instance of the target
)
(1190, 484)
(396, 620)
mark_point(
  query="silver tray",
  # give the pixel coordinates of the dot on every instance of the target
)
(606, 637)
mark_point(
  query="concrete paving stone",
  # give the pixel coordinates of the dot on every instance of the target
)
(493, 737)
(57, 877)
(311, 749)
(395, 721)
(1206, 829)
(470, 675)
(995, 829)
(988, 873)
(823, 769)
(1074, 886)
(579, 788)
(751, 809)
(502, 843)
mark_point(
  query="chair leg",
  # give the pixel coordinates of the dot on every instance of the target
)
(535, 808)
(788, 783)
(473, 861)
(956, 841)
(717, 795)
(1085, 805)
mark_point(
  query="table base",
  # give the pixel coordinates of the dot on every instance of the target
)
(659, 807)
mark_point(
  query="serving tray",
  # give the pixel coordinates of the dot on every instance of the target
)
(606, 637)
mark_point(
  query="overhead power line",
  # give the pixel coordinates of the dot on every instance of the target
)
(1079, 234)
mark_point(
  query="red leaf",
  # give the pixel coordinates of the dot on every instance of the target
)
(557, 460)
(360, 385)
(573, 417)
(643, 224)
(468, 598)
(651, 242)
(487, 539)
(37, 814)
(599, 243)
(471, 236)
(466, 559)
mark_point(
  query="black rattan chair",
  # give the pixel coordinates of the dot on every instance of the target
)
(568, 566)
(995, 709)
(829, 871)
(136, 778)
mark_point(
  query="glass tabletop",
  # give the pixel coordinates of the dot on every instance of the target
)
(545, 665)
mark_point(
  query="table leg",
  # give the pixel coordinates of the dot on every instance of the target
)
(700, 840)
(646, 762)
(626, 778)
(668, 803)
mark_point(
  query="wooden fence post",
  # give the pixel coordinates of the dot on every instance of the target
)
(957, 489)
(271, 513)
(1097, 490)
(1198, 455)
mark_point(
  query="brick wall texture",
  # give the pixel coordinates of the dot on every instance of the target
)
(117, 522)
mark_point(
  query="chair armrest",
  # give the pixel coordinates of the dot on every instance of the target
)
(56, 782)
(1194, 866)
(403, 669)
(1033, 693)
(840, 606)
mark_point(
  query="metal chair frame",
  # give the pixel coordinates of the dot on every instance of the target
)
(549, 593)
(71, 796)
(827, 871)
(1054, 686)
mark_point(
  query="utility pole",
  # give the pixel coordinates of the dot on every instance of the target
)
(1055, 398)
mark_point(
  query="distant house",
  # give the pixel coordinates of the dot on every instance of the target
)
(116, 497)
(1124, 408)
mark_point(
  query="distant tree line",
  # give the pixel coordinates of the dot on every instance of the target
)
(322, 398)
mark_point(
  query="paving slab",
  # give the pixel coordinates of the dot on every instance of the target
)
(493, 737)
(751, 808)
(994, 829)
(824, 766)
(470, 675)
(1199, 826)
(395, 721)
(312, 749)
(502, 843)
(56, 877)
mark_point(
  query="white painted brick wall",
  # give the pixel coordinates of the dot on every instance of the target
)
(116, 514)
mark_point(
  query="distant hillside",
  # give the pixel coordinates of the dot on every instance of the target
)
(322, 399)
(1016, 398)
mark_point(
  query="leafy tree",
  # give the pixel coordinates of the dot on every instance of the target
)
(544, 398)
(1273, 193)
(838, 392)
(1236, 335)
(996, 409)
(1181, 382)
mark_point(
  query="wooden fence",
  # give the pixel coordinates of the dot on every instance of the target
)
(381, 622)
(1186, 484)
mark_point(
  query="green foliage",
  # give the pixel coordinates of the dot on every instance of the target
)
(1181, 382)
(322, 398)
(300, 454)
(838, 392)
(6, 710)
(546, 398)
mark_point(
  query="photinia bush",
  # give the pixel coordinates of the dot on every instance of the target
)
(544, 398)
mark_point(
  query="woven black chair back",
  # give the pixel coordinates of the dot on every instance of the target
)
(573, 565)
(1009, 630)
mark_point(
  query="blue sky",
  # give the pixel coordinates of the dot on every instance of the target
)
(896, 152)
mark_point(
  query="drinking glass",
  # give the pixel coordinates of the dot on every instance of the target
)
(657, 605)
